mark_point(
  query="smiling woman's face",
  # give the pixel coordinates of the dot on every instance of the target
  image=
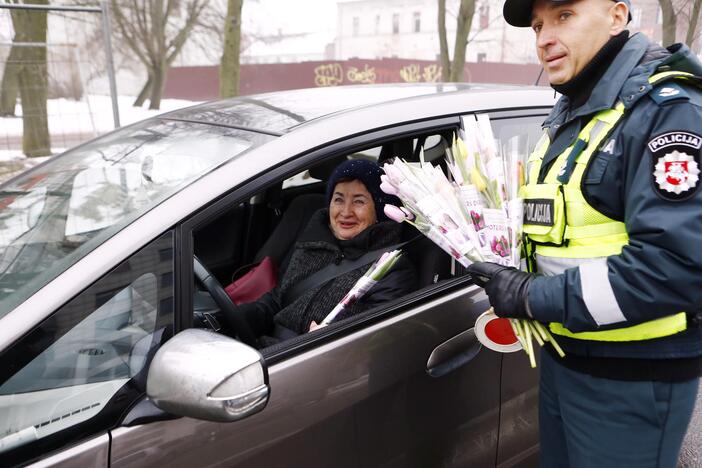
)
(351, 209)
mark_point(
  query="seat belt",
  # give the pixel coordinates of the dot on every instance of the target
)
(333, 271)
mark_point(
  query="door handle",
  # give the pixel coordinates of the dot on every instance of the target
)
(453, 353)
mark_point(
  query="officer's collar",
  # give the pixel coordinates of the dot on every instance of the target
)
(580, 87)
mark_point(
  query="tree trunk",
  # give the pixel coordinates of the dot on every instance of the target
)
(669, 22)
(229, 67)
(141, 98)
(155, 31)
(692, 27)
(465, 19)
(443, 43)
(158, 74)
(9, 89)
(33, 80)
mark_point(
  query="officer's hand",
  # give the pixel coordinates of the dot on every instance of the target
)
(506, 287)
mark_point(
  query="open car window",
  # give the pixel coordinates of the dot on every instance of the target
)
(270, 222)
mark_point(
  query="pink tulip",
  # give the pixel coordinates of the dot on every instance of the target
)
(393, 173)
(388, 188)
(394, 213)
(408, 214)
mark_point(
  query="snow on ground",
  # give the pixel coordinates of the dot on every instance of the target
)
(71, 122)
(91, 115)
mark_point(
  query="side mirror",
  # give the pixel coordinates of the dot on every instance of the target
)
(203, 375)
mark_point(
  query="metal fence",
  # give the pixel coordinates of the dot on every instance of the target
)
(56, 75)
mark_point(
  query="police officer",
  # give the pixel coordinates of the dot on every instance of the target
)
(613, 228)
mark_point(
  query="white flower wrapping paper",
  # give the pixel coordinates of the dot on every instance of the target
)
(474, 213)
(375, 273)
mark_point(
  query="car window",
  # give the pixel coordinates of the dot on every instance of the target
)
(67, 371)
(261, 231)
(518, 134)
(269, 223)
(516, 138)
(52, 216)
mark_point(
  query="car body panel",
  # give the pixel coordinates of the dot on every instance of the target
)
(358, 401)
(93, 453)
(519, 412)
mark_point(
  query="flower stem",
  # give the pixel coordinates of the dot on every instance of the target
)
(530, 348)
(535, 332)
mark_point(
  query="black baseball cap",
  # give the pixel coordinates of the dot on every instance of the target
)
(518, 12)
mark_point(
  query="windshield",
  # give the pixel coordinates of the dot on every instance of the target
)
(54, 215)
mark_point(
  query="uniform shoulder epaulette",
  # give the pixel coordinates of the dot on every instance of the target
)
(667, 92)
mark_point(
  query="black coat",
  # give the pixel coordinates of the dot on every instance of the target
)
(315, 249)
(658, 273)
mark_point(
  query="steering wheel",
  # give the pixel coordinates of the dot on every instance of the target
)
(234, 318)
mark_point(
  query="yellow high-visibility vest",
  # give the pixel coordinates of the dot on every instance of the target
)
(563, 230)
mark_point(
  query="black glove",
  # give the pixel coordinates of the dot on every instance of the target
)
(506, 287)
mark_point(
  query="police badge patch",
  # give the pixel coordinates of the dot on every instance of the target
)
(676, 164)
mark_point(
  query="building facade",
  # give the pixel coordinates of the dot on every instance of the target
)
(409, 29)
(374, 29)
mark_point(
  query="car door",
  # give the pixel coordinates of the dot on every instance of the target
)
(378, 391)
(406, 385)
(71, 379)
(519, 435)
(450, 413)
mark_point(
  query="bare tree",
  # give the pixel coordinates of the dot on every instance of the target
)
(669, 21)
(452, 70)
(692, 23)
(229, 66)
(9, 87)
(680, 14)
(155, 32)
(27, 74)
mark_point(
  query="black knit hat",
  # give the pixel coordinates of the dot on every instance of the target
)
(518, 12)
(369, 174)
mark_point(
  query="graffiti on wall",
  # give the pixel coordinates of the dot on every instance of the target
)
(330, 74)
(416, 73)
(335, 74)
(365, 76)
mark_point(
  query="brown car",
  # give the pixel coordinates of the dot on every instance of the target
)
(112, 261)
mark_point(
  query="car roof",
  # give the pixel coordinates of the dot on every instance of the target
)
(280, 112)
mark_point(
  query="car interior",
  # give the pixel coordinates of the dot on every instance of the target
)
(268, 224)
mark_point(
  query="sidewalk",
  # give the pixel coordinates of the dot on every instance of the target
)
(691, 453)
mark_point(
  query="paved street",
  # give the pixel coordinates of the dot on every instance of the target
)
(691, 455)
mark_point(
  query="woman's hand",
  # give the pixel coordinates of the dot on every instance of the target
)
(314, 326)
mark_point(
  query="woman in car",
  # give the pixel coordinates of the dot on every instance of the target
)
(353, 224)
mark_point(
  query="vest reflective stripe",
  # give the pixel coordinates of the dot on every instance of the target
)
(551, 266)
(587, 247)
(662, 76)
(587, 236)
(598, 294)
(650, 330)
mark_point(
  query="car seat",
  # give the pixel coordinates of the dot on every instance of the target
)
(280, 243)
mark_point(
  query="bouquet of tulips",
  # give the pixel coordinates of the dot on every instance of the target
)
(375, 273)
(474, 213)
